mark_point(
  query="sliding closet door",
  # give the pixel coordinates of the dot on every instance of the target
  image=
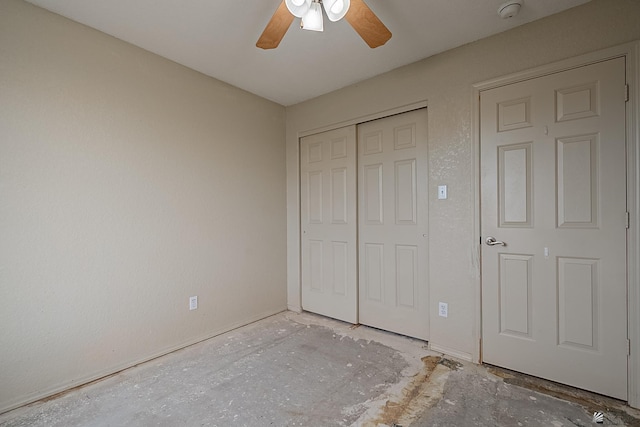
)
(392, 224)
(328, 218)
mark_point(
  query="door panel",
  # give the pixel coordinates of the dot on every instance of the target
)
(393, 224)
(328, 213)
(553, 189)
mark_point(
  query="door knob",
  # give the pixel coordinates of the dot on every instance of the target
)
(491, 241)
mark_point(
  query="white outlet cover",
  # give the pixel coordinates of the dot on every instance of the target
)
(193, 303)
(443, 309)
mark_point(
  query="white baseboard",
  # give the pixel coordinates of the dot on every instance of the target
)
(79, 382)
(294, 308)
(462, 355)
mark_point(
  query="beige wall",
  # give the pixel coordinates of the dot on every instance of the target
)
(445, 82)
(127, 184)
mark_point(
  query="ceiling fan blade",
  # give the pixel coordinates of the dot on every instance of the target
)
(276, 28)
(367, 24)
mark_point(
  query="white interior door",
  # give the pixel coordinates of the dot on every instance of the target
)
(328, 218)
(392, 224)
(553, 190)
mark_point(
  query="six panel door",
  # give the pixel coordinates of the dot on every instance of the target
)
(328, 217)
(392, 224)
(553, 198)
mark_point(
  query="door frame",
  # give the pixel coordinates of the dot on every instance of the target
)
(631, 52)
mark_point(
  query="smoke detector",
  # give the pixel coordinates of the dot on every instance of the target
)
(509, 9)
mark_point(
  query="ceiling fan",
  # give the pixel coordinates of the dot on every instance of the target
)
(356, 12)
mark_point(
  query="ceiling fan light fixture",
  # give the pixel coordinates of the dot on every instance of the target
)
(298, 8)
(356, 12)
(312, 20)
(336, 9)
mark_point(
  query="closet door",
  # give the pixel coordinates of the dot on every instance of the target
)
(328, 218)
(392, 224)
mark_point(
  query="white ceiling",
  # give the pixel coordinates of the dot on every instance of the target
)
(218, 38)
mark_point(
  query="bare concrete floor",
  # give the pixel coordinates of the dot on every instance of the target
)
(306, 370)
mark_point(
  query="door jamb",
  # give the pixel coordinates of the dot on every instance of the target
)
(631, 52)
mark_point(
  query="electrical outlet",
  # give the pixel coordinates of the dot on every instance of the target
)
(443, 309)
(193, 302)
